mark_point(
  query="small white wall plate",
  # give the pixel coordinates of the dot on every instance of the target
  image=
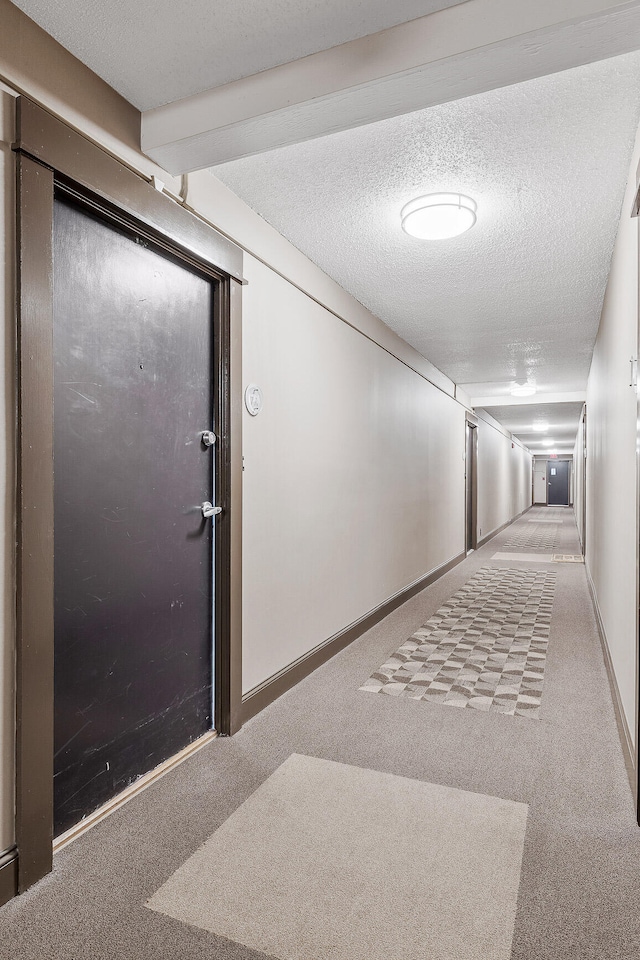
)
(253, 399)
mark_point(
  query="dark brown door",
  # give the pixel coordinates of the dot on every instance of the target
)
(133, 553)
(558, 482)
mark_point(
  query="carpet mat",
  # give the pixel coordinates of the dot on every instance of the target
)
(543, 538)
(329, 861)
(485, 649)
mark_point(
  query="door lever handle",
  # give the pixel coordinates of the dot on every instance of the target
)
(208, 510)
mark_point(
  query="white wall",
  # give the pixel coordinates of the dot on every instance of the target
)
(504, 476)
(612, 523)
(7, 414)
(354, 476)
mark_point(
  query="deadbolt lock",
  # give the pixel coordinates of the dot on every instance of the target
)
(208, 438)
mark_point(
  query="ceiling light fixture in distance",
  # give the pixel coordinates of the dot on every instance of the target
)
(523, 390)
(438, 216)
(541, 427)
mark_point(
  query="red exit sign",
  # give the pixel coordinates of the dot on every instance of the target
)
(553, 456)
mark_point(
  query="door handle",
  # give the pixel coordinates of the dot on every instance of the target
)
(208, 510)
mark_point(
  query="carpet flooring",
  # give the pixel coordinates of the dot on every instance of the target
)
(539, 537)
(486, 648)
(513, 555)
(341, 863)
(579, 889)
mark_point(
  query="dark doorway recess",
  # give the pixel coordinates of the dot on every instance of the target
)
(471, 486)
(133, 573)
(129, 313)
(583, 469)
(558, 482)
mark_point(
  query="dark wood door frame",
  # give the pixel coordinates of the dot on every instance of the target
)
(583, 472)
(52, 158)
(634, 383)
(471, 423)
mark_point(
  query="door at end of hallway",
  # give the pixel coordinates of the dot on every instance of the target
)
(558, 483)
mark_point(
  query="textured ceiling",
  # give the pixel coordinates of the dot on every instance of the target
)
(562, 419)
(157, 51)
(518, 296)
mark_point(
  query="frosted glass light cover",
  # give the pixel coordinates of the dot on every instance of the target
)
(438, 216)
(523, 390)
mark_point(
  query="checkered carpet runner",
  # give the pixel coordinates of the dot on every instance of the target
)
(485, 648)
(539, 537)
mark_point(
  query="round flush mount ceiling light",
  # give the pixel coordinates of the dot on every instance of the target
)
(541, 427)
(523, 390)
(438, 216)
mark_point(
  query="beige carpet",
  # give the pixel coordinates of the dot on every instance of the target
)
(328, 861)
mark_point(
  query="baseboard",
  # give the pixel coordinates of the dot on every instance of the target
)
(624, 733)
(8, 875)
(494, 533)
(265, 693)
(132, 791)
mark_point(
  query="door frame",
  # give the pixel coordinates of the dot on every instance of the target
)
(471, 423)
(583, 479)
(52, 159)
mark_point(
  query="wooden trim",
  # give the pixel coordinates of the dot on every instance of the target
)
(236, 416)
(50, 157)
(636, 752)
(624, 733)
(47, 139)
(34, 573)
(635, 209)
(8, 875)
(583, 471)
(269, 690)
(473, 427)
(228, 592)
(504, 526)
(132, 791)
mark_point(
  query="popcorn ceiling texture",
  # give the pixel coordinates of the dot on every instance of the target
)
(520, 294)
(157, 51)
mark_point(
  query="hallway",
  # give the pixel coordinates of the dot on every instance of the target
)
(579, 892)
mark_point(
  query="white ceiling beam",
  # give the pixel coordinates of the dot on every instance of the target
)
(500, 400)
(471, 48)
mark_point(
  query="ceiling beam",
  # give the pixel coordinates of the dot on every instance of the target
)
(578, 396)
(476, 46)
